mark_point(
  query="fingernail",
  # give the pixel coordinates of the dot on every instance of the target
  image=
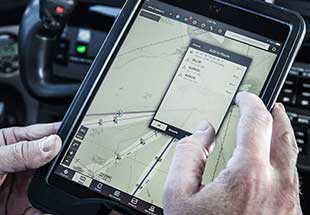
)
(237, 98)
(57, 125)
(49, 144)
(203, 126)
(211, 147)
(211, 144)
(281, 106)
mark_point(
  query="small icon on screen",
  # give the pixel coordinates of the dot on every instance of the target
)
(134, 201)
(117, 193)
(99, 186)
(82, 178)
(152, 209)
(76, 144)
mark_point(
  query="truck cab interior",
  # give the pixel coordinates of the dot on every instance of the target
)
(40, 71)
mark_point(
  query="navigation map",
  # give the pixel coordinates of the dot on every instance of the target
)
(206, 73)
(115, 143)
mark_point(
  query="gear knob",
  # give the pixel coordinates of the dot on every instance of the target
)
(54, 14)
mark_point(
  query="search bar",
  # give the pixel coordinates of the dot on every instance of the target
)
(247, 40)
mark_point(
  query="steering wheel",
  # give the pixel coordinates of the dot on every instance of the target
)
(40, 30)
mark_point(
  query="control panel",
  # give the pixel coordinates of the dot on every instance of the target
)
(76, 51)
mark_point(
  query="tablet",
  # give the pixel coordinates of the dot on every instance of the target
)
(171, 65)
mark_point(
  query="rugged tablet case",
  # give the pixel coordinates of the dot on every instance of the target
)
(52, 200)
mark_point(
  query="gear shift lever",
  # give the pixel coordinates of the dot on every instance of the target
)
(40, 30)
(55, 13)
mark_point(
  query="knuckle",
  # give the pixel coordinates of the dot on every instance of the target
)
(264, 116)
(191, 148)
(18, 151)
(290, 183)
(15, 133)
(288, 188)
(288, 200)
(260, 117)
(288, 138)
(27, 133)
(249, 181)
(22, 156)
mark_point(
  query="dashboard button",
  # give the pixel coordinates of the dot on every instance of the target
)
(81, 49)
(62, 52)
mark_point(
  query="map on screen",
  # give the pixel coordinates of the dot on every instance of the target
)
(205, 74)
(167, 75)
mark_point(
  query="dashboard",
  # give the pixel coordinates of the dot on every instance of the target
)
(13, 96)
(81, 41)
(77, 49)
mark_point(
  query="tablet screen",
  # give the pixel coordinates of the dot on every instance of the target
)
(174, 69)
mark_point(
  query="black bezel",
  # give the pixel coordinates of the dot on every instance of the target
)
(280, 25)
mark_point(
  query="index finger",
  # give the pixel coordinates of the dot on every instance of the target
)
(254, 131)
(33, 132)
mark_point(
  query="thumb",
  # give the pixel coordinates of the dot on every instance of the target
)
(28, 155)
(191, 153)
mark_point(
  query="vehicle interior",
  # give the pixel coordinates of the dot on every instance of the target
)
(27, 97)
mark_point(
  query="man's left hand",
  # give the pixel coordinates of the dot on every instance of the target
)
(22, 150)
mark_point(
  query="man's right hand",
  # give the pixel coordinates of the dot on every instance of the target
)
(260, 178)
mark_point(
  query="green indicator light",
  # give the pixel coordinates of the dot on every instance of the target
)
(81, 49)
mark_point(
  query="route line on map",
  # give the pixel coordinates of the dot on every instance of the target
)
(155, 164)
(108, 114)
(122, 155)
(222, 145)
(163, 41)
(109, 121)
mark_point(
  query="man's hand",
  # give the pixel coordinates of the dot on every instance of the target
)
(260, 178)
(23, 150)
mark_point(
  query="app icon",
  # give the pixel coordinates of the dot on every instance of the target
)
(152, 209)
(99, 186)
(117, 193)
(134, 201)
